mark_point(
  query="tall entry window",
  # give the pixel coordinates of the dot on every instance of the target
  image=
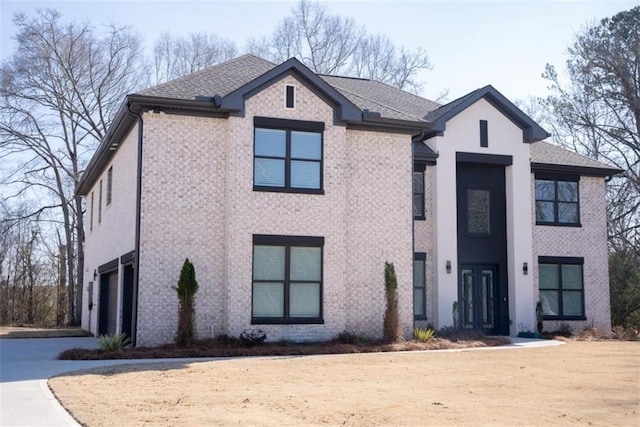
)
(419, 286)
(287, 155)
(287, 279)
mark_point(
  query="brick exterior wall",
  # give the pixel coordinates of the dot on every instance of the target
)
(589, 242)
(198, 202)
(114, 236)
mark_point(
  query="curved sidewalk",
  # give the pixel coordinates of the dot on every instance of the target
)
(27, 363)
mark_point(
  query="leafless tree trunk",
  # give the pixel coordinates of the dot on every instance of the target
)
(58, 94)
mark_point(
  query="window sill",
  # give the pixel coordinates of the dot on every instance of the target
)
(420, 218)
(421, 318)
(289, 321)
(564, 318)
(288, 190)
(560, 224)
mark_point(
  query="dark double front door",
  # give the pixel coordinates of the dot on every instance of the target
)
(482, 248)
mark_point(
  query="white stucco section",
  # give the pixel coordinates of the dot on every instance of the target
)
(114, 235)
(505, 138)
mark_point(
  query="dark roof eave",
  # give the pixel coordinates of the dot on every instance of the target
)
(414, 127)
(575, 169)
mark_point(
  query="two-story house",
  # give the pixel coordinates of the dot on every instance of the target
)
(289, 190)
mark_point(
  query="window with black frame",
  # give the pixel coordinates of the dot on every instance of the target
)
(561, 286)
(287, 279)
(557, 200)
(287, 155)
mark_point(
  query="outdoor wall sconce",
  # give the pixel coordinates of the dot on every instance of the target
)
(525, 268)
(448, 267)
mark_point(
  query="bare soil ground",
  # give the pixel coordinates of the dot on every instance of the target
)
(581, 382)
(41, 332)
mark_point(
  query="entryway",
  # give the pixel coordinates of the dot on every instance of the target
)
(478, 295)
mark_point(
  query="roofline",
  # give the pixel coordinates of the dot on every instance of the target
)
(531, 131)
(345, 109)
(124, 121)
(580, 170)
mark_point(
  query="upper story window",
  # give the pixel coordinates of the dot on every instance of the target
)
(561, 287)
(287, 155)
(418, 191)
(287, 279)
(100, 202)
(91, 213)
(557, 200)
(109, 185)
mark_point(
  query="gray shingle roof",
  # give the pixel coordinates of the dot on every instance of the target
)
(220, 79)
(549, 154)
(387, 100)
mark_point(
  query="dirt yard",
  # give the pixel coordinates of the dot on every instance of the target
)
(576, 383)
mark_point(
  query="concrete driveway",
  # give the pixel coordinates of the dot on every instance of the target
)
(25, 366)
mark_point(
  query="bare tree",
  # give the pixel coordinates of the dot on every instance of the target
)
(331, 44)
(178, 56)
(597, 113)
(58, 94)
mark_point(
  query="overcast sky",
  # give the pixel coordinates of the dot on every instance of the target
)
(470, 43)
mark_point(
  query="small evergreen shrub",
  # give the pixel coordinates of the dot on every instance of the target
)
(424, 335)
(346, 337)
(186, 290)
(251, 337)
(391, 323)
(113, 342)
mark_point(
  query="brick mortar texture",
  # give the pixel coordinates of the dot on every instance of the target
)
(588, 241)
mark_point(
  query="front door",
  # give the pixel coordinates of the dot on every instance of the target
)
(478, 295)
(482, 247)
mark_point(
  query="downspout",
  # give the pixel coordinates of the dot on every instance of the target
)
(136, 259)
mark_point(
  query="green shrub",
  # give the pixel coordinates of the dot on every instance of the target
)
(424, 335)
(391, 322)
(113, 342)
(346, 337)
(186, 290)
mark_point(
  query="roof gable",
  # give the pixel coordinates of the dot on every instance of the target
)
(531, 131)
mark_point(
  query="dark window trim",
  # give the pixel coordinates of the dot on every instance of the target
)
(421, 256)
(563, 261)
(288, 126)
(555, 177)
(109, 185)
(290, 92)
(108, 267)
(490, 159)
(100, 203)
(484, 134)
(288, 242)
(91, 211)
(128, 257)
(422, 215)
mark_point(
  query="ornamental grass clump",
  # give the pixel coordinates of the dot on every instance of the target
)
(424, 335)
(186, 290)
(113, 342)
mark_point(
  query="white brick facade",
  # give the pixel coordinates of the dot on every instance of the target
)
(197, 201)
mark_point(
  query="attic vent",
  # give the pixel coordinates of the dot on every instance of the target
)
(484, 134)
(290, 92)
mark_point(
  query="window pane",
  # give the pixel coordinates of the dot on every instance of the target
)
(306, 145)
(567, 191)
(305, 174)
(571, 276)
(418, 302)
(270, 142)
(549, 301)
(418, 274)
(268, 299)
(544, 212)
(545, 190)
(568, 212)
(572, 303)
(478, 211)
(549, 277)
(268, 172)
(418, 205)
(418, 182)
(268, 262)
(304, 300)
(305, 263)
